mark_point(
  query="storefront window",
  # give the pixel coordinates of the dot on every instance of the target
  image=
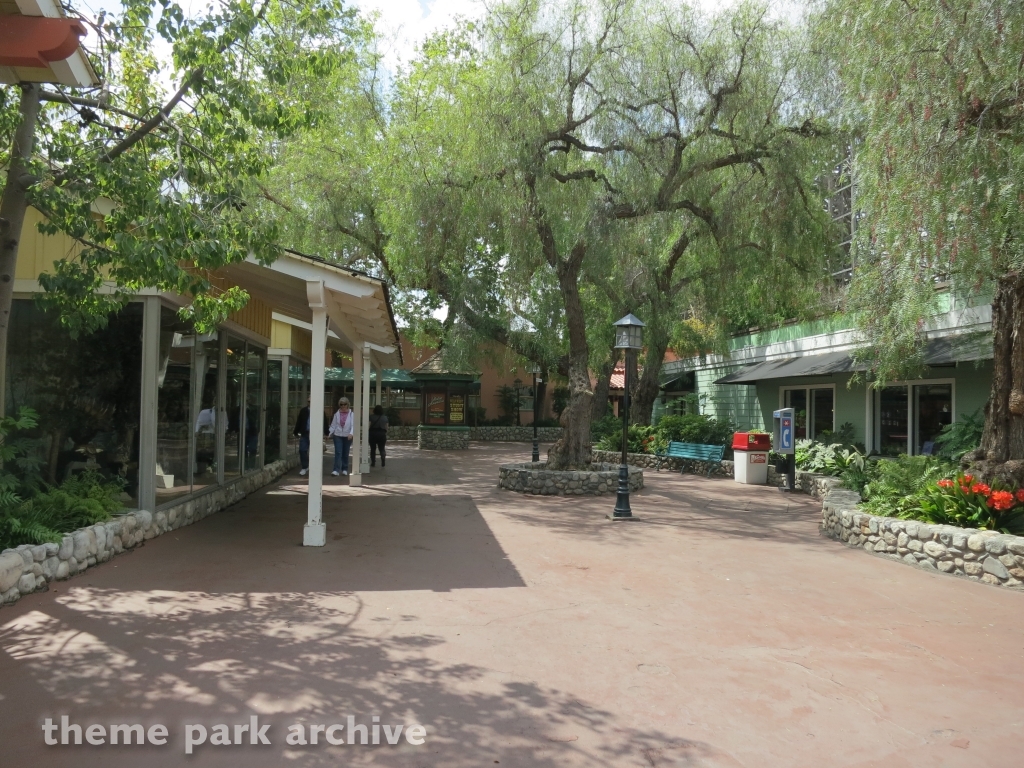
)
(298, 392)
(86, 392)
(233, 405)
(823, 412)
(204, 468)
(797, 400)
(174, 398)
(892, 421)
(254, 361)
(272, 444)
(814, 409)
(933, 409)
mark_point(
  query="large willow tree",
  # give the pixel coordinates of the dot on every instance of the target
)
(935, 92)
(628, 148)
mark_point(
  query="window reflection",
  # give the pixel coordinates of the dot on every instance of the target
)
(174, 400)
(254, 361)
(233, 406)
(204, 430)
(272, 444)
(86, 392)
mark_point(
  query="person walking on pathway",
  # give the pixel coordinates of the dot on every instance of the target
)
(342, 431)
(302, 432)
(378, 434)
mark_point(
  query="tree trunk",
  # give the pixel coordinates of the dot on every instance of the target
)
(572, 451)
(648, 387)
(13, 206)
(1001, 455)
(604, 383)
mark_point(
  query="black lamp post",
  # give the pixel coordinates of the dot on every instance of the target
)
(629, 337)
(535, 369)
(518, 386)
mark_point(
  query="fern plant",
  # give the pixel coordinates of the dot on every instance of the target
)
(31, 512)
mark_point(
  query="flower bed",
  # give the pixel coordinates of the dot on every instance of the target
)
(979, 555)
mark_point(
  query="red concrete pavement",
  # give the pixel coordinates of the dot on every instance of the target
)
(721, 630)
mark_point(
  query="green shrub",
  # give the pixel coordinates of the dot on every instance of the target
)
(963, 502)
(82, 500)
(834, 459)
(609, 425)
(961, 437)
(895, 483)
(696, 428)
(639, 439)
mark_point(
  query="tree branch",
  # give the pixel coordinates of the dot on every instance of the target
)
(151, 124)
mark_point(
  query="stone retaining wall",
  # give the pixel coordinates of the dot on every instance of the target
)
(535, 478)
(816, 486)
(489, 434)
(30, 568)
(442, 438)
(987, 556)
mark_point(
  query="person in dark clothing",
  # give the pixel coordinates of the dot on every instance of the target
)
(378, 435)
(302, 431)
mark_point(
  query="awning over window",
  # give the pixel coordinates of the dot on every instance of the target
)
(938, 352)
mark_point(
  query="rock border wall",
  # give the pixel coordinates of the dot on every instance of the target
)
(488, 434)
(815, 485)
(31, 567)
(987, 556)
(442, 438)
(534, 478)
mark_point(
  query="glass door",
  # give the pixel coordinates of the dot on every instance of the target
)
(797, 400)
(933, 410)
(893, 421)
(272, 443)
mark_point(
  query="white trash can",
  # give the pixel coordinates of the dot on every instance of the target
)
(751, 467)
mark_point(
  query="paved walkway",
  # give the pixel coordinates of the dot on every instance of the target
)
(719, 631)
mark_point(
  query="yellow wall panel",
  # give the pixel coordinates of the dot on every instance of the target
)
(37, 251)
(280, 335)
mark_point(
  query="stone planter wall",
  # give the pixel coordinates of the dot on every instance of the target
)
(442, 438)
(31, 568)
(489, 434)
(535, 478)
(816, 486)
(514, 434)
(987, 556)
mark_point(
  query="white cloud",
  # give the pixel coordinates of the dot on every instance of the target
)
(404, 24)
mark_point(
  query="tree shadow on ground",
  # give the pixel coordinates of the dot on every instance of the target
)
(178, 657)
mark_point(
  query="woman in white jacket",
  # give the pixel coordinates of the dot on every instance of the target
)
(342, 430)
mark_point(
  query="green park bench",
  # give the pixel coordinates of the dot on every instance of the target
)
(709, 454)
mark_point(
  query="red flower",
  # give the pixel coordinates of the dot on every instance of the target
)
(1001, 500)
(945, 483)
(982, 489)
(1020, 495)
(967, 480)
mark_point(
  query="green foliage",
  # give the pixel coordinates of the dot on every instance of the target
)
(961, 437)
(82, 500)
(696, 428)
(603, 428)
(31, 513)
(640, 438)
(932, 92)
(606, 433)
(894, 483)
(152, 187)
(559, 400)
(828, 459)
